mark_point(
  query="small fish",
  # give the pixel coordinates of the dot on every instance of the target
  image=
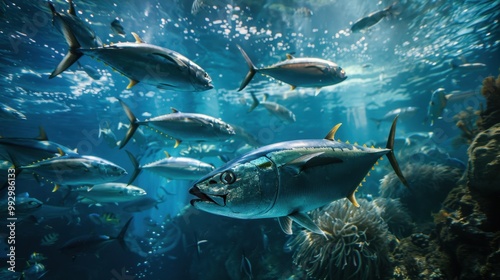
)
(173, 168)
(371, 19)
(36, 271)
(181, 126)
(403, 113)
(111, 192)
(467, 67)
(9, 113)
(36, 257)
(436, 105)
(107, 134)
(49, 239)
(102, 219)
(92, 243)
(117, 27)
(93, 73)
(280, 111)
(298, 72)
(246, 266)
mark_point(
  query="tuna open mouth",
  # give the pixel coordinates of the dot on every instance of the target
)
(204, 197)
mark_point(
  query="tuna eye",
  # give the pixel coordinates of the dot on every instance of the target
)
(228, 177)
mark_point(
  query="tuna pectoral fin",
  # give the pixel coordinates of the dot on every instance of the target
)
(121, 235)
(304, 220)
(133, 124)
(390, 155)
(137, 168)
(251, 72)
(309, 161)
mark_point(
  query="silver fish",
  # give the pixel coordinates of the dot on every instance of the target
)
(89, 70)
(298, 72)
(49, 239)
(117, 27)
(108, 135)
(371, 19)
(269, 182)
(436, 105)
(173, 168)
(69, 22)
(141, 62)
(111, 192)
(181, 126)
(280, 111)
(9, 113)
(468, 67)
(403, 113)
(75, 170)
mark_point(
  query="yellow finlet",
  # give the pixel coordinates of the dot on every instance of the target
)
(138, 39)
(364, 146)
(352, 199)
(372, 147)
(132, 83)
(347, 142)
(56, 187)
(289, 56)
(331, 133)
(167, 154)
(177, 143)
(292, 87)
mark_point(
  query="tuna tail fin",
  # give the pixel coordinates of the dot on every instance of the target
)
(390, 155)
(255, 102)
(134, 124)
(73, 53)
(121, 235)
(250, 73)
(137, 168)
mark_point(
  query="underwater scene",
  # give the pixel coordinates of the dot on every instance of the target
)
(249, 139)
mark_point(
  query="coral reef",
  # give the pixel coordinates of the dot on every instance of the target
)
(429, 185)
(484, 161)
(491, 91)
(356, 244)
(466, 121)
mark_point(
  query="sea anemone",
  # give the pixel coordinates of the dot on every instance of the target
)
(356, 245)
(396, 216)
(429, 183)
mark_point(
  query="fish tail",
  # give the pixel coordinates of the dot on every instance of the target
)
(255, 102)
(137, 168)
(73, 53)
(390, 155)
(134, 124)
(121, 235)
(250, 73)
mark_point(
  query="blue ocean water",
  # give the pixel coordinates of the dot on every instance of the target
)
(396, 63)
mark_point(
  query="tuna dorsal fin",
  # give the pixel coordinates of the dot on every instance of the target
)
(308, 161)
(174, 110)
(289, 56)
(167, 155)
(331, 133)
(132, 83)
(304, 220)
(71, 10)
(286, 224)
(43, 135)
(138, 39)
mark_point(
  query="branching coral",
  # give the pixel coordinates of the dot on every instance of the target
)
(355, 247)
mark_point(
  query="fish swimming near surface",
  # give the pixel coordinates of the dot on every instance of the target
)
(173, 168)
(90, 71)
(436, 106)
(111, 192)
(140, 62)
(73, 170)
(403, 113)
(371, 19)
(69, 23)
(9, 113)
(181, 126)
(287, 179)
(280, 111)
(117, 27)
(298, 72)
(93, 243)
